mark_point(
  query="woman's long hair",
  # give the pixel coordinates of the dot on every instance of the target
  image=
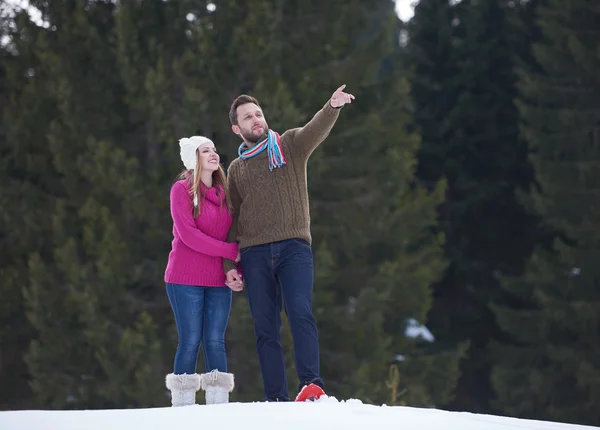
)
(218, 178)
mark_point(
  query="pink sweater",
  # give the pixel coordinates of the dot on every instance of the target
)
(198, 245)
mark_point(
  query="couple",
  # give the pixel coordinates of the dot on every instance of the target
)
(258, 218)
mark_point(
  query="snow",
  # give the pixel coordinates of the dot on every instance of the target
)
(34, 13)
(415, 330)
(405, 9)
(326, 413)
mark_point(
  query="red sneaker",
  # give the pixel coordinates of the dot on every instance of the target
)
(309, 392)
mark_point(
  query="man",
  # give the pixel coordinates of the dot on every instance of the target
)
(268, 191)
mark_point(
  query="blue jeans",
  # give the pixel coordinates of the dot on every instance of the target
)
(272, 272)
(201, 315)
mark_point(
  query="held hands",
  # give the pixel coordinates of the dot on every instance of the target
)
(340, 98)
(234, 280)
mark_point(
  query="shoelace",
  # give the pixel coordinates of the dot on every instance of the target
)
(183, 380)
(213, 375)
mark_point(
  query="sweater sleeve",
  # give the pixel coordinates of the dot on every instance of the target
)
(307, 138)
(182, 214)
(236, 202)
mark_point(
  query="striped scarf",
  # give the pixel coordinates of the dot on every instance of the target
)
(273, 145)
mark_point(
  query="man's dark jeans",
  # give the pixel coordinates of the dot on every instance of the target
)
(272, 272)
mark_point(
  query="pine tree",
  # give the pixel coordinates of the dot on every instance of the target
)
(463, 86)
(93, 297)
(550, 370)
(11, 310)
(358, 342)
(111, 89)
(373, 225)
(25, 197)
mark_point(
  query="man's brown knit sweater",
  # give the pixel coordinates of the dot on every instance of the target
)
(270, 206)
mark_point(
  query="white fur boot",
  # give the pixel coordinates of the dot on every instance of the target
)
(183, 388)
(217, 385)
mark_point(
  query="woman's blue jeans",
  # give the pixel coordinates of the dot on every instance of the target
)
(201, 316)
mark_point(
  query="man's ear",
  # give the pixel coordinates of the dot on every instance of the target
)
(235, 129)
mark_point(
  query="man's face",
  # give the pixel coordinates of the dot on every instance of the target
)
(252, 125)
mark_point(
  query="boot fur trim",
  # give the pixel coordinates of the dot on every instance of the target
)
(216, 379)
(183, 382)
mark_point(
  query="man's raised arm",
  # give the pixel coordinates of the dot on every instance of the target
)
(307, 138)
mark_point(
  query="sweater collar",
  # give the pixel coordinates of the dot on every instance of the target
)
(213, 194)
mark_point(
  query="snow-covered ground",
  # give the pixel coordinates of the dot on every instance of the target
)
(327, 413)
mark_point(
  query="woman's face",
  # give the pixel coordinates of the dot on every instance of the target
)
(209, 159)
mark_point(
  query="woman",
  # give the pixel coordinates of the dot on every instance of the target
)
(194, 277)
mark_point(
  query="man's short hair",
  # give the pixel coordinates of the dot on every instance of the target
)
(240, 100)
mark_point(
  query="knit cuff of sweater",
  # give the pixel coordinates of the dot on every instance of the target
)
(232, 251)
(229, 265)
(330, 109)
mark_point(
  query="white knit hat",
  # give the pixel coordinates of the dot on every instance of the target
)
(189, 146)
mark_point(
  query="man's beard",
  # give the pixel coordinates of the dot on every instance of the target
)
(252, 138)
